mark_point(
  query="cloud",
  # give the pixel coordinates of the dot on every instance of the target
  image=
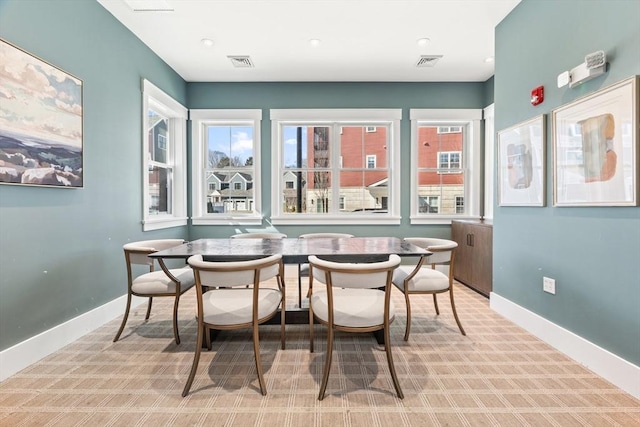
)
(241, 142)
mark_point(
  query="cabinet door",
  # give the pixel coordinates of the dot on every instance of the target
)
(482, 259)
(463, 267)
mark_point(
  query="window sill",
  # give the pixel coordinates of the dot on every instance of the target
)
(227, 220)
(440, 219)
(151, 224)
(336, 220)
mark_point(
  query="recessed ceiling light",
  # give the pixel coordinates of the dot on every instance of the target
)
(315, 42)
(423, 41)
(207, 42)
(489, 59)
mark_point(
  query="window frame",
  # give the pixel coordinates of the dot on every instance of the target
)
(200, 118)
(156, 99)
(336, 118)
(470, 120)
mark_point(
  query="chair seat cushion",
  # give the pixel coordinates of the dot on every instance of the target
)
(235, 306)
(304, 269)
(157, 282)
(355, 308)
(426, 280)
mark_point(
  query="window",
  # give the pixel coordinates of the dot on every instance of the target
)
(429, 204)
(343, 173)
(449, 162)
(370, 129)
(445, 164)
(449, 129)
(164, 149)
(459, 204)
(371, 162)
(226, 155)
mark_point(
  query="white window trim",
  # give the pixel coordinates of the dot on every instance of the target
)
(471, 159)
(489, 156)
(324, 116)
(199, 119)
(166, 105)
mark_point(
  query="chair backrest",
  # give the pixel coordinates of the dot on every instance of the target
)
(234, 273)
(325, 236)
(259, 236)
(366, 275)
(443, 250)
(136, 252)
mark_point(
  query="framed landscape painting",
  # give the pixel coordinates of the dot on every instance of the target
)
(40, 122)
(595, 148)
(521, 164)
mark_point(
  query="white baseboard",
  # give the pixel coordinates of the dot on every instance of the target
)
(623, 374)
(21, 355)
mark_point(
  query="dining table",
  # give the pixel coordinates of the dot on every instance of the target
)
(296, 251)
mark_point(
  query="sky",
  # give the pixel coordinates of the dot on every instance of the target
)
(38, 99)
(238, 141)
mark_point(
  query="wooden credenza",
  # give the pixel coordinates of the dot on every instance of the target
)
(474, 256)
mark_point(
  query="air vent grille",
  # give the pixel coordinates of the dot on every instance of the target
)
(241, 61)
(428, 60)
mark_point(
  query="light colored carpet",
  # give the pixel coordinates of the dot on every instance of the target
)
(498, 375)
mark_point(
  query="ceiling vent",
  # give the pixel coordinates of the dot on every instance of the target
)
(149, 5)
(428, 60)
(241, 61)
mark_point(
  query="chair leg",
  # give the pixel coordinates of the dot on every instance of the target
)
(175, 319)
(310, 328)
(327, 363)
(146, 317)
(408, 327)
(455, 313)
(283, 315)
(256, 352)
(207, 337)
(435, 304)
(299, 288)
(392, 369)
(196, 359)
(124, 319)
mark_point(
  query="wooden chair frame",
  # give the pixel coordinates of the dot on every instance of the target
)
(129, 254)
(331, 326)
(204, 327)
(407, 292)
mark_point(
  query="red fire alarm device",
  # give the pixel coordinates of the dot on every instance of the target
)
(537, 95)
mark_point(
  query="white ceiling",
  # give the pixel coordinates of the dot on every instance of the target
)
(361, 40)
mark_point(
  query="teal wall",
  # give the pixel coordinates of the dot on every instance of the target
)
(592, 252)
(335, 95)
(61, 249)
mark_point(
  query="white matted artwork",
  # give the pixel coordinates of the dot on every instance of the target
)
(595, 143)
(521, 164)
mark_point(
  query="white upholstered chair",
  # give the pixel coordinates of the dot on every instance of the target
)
(303, 269)
(421, 279)
(224, 302)
(162, 283)
(355, 298)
